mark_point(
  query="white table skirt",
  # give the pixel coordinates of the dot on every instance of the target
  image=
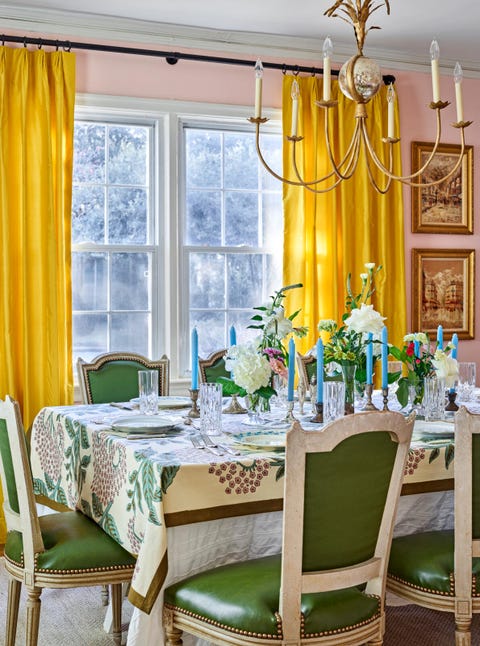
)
(201, 546)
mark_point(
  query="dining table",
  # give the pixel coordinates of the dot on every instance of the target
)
(182, 506)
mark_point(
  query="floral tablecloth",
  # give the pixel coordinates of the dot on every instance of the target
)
(134, 489)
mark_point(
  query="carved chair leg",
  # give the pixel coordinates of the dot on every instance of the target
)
(462, 632)
(14, 589)
(116, 601)
(173, 636)
(104, 594)
(33, 616)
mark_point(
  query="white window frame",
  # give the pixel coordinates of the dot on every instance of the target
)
(170, 300)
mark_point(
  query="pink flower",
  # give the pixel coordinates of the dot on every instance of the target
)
(278, 367)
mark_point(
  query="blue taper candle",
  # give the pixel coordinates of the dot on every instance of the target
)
(233, 336)
(320, 371)
(194, 350)
(384, 357)
(455, 345)
(291, 368)
(440, 337)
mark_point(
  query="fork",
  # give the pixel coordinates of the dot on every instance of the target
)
(197, 443)
(210, 443)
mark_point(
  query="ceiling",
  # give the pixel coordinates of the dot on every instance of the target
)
(279, 27)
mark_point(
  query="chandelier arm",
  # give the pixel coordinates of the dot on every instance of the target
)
(262, 159)
(372, 179)
(351, 156)
(406, 179)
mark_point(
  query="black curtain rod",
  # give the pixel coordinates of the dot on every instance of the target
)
(171, 57)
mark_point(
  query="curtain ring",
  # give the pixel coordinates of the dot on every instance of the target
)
(57, 45)
(40, 43)
(68, 46)
(24, 41)
(313, 72)
(3, 40)
(284, 69)
(295, 71)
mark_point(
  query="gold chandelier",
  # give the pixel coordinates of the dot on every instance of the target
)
(359, 80)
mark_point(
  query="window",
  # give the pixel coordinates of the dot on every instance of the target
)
(174, 223)
(112, 231)
(233, 225)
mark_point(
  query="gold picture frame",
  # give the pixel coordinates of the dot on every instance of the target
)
(443, 290)
(446, 207)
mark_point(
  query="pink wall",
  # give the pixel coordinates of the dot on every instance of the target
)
(194, 81)
(103, 73)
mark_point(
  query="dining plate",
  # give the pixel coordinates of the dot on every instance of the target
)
(433, 430)
(142, 424)
(166, 401)
(261, 441)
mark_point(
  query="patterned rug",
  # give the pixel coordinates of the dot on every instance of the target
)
(76, 616)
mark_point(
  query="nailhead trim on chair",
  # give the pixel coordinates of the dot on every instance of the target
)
(420, 587)
(303, 634)
(337, 631)
(96, 569)
(230, 628)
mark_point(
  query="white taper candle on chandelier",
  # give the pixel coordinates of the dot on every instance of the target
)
(295, 94)
(327, 52)
(258, 89)
(458, 78)
(391, 112)
(434, 57)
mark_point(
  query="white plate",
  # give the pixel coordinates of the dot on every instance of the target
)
(142, 424)
(432, 430)
(261, 441)
(165, 401)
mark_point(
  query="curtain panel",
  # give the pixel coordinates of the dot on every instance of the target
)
(330, 235)
(37, 97)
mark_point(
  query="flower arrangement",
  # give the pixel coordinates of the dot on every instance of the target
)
(421, 361)
(348, 341)
(253, 364)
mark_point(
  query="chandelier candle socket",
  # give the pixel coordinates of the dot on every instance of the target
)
(360, 79)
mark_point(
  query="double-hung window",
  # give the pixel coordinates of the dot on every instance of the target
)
(175, 223)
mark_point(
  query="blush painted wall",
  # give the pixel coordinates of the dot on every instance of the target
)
(194, 81)
(138, 76)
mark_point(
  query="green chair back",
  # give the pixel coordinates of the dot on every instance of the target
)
(113, 377)
(8, 471)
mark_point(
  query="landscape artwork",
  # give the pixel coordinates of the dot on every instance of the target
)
(442, 291)
(446, 207)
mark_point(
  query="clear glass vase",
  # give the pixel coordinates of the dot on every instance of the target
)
(257, 407)
(348, 372)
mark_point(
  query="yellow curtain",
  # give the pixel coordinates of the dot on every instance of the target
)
(330, 235)
(37, 96)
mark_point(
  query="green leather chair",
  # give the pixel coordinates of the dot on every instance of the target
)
(441, 569)
(112, 377)
(342, 486)
(59, 550)
(212, 367)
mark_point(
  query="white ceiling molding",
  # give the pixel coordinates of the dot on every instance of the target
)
(79, 26)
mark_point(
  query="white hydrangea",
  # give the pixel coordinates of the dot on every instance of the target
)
(250, 368)
(365, 319)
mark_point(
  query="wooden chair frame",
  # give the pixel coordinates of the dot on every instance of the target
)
(26, 522)
(208, 362)
(84, 368)
(294, 582)
(462, 603)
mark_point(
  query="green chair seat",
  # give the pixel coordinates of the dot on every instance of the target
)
(72, 542)
(425, 561)
(243, 597)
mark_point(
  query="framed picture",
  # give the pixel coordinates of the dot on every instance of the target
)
(442, 291)
(446, 207)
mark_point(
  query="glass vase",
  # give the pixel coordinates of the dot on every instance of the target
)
(257, 406)
(348, 372)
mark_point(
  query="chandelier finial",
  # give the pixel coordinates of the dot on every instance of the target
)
(357, 14)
